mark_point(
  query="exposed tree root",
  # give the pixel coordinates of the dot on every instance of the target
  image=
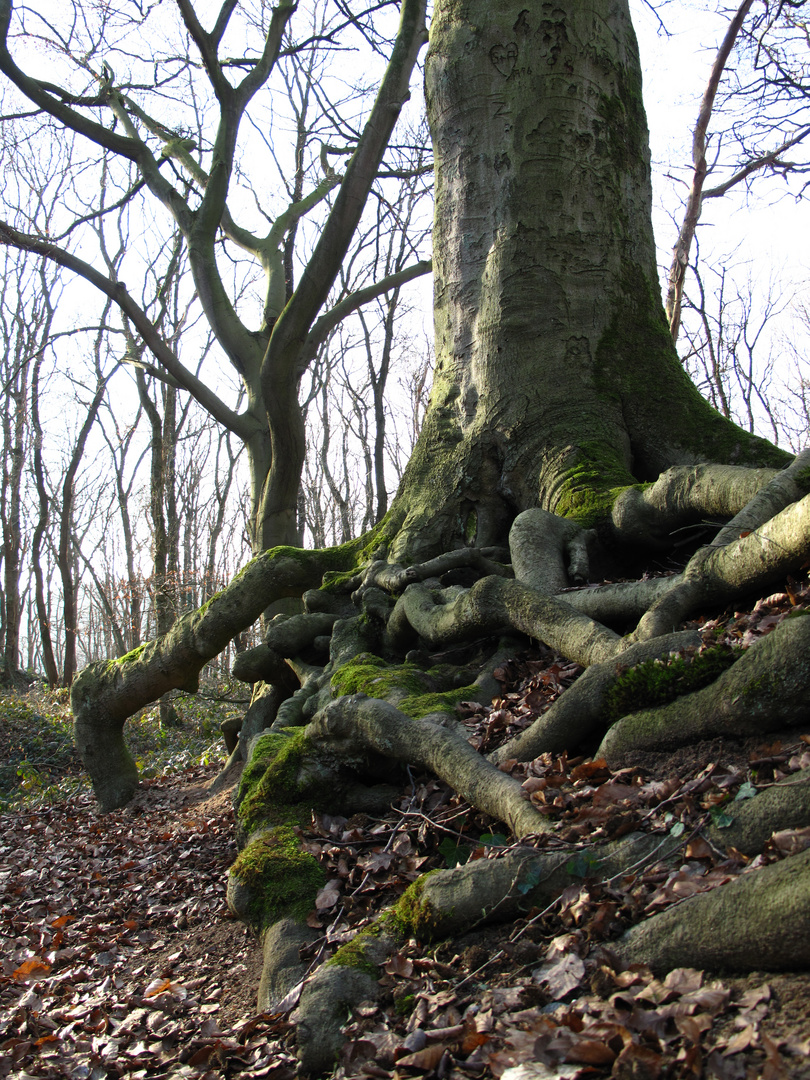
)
(687, 496)
(104, 695)
(766, 689)
(282, 967)
(496, 604)
(622, 604)
(578, 713)
(785, 805)
(787, 486)
(452, 902)
(325, 1006)
(757, 922)
(706, 931)
(717, 575)
(549, 552)
(439, 615)
(351, 726)
(394, 578)
(286, 638)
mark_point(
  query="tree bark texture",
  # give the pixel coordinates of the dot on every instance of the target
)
(555, 374)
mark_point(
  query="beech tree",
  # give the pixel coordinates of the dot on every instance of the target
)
(562, 440)
(188, 163)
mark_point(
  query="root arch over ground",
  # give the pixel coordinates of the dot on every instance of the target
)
(368, 676)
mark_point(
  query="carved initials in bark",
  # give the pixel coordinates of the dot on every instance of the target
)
(504, 58)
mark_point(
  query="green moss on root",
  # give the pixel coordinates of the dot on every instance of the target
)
(283, 880)
(418, 705)
(656, 682)
(371, 675)
(412, 916)
(354, 953)
(412, 689)
(338, 581)
(130, 657)
(271, 789)
(591, 487)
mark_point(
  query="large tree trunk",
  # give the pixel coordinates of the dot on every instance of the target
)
(556, 379)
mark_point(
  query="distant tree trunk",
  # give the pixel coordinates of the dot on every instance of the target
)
(112, 629)
(15, 418)
(163, 511)
(65, 559)
(378, 380)
(43, 615)
(556, 378)
(173, 587)
(340, 499)
(157, 492)
(26, 314)
(223, 487)
(134, 599)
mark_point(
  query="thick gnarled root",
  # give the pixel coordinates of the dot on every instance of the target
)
(760, 921)
(765, 690)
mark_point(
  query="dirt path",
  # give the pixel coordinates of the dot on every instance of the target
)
(119, 956)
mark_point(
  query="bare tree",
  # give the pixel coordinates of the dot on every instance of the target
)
(731, 342)
(768, 85)
(188, 170)
(351, 395)
(794, 406)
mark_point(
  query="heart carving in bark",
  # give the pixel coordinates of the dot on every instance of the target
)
(504, 58)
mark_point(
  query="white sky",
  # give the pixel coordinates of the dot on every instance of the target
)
(676, 70)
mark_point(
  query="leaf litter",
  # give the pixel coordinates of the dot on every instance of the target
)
(119, 957)
(121, 960)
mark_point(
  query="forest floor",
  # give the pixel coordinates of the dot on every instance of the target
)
(120, 958)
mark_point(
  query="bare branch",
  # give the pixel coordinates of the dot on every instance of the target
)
(207, 47)
(771, 160)
(330, 319)
(240, 425)
(680, 253)
(360, 173)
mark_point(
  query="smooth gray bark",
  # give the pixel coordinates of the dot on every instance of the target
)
(555, 374)
(759, 921)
